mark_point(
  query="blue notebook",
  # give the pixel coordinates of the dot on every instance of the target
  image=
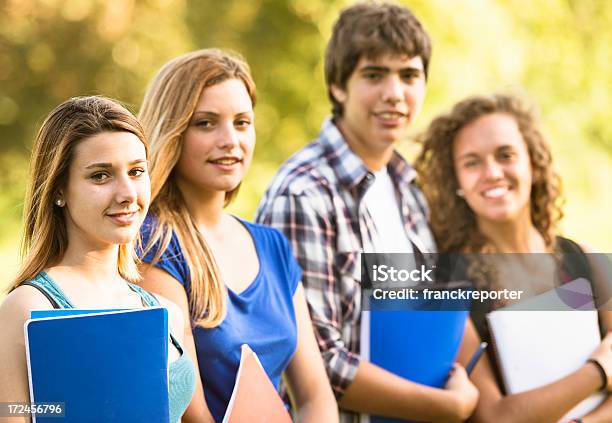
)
(420, 346)
(105, 366)
(61, 312)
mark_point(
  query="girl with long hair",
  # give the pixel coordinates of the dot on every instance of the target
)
(238, 281)
(487, 173)
(88, 193)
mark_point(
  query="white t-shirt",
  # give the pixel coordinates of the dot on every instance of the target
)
(389, 235)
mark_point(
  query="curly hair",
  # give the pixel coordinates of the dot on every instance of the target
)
(454, 223)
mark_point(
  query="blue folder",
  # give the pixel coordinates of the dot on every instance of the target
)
(105, 366)
(60, 312)
(420, 346)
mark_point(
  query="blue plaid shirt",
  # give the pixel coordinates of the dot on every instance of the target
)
(315, 200)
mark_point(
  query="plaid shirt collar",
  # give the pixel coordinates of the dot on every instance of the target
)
(348, 166)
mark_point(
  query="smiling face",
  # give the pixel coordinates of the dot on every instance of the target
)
(493, 169)
(107, 193)
(218, 144)
(381, 99)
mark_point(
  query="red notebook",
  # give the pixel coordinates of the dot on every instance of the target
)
(254, 398)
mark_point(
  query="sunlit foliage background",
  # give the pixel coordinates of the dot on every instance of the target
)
(557, 53)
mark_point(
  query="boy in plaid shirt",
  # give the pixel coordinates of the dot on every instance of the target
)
(349, 192)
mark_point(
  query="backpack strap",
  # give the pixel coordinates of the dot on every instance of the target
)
(575, 261)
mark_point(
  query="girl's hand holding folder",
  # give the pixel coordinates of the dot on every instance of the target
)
(465, 392)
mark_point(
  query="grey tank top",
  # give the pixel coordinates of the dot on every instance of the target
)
(181, 381)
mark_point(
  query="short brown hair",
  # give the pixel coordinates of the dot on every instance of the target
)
(371, 30)
(454, 223)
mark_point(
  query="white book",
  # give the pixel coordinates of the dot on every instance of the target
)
(538, 347)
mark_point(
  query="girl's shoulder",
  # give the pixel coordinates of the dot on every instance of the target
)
(18, 304)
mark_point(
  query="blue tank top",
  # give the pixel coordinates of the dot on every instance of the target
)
(181, 381)
(261, 316)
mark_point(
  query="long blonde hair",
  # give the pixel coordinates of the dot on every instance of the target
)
(45, 237)
(166, 112)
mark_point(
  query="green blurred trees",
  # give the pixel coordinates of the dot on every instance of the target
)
(559, 52)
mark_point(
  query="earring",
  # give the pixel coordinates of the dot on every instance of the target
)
(59, 202)
(460, 193)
